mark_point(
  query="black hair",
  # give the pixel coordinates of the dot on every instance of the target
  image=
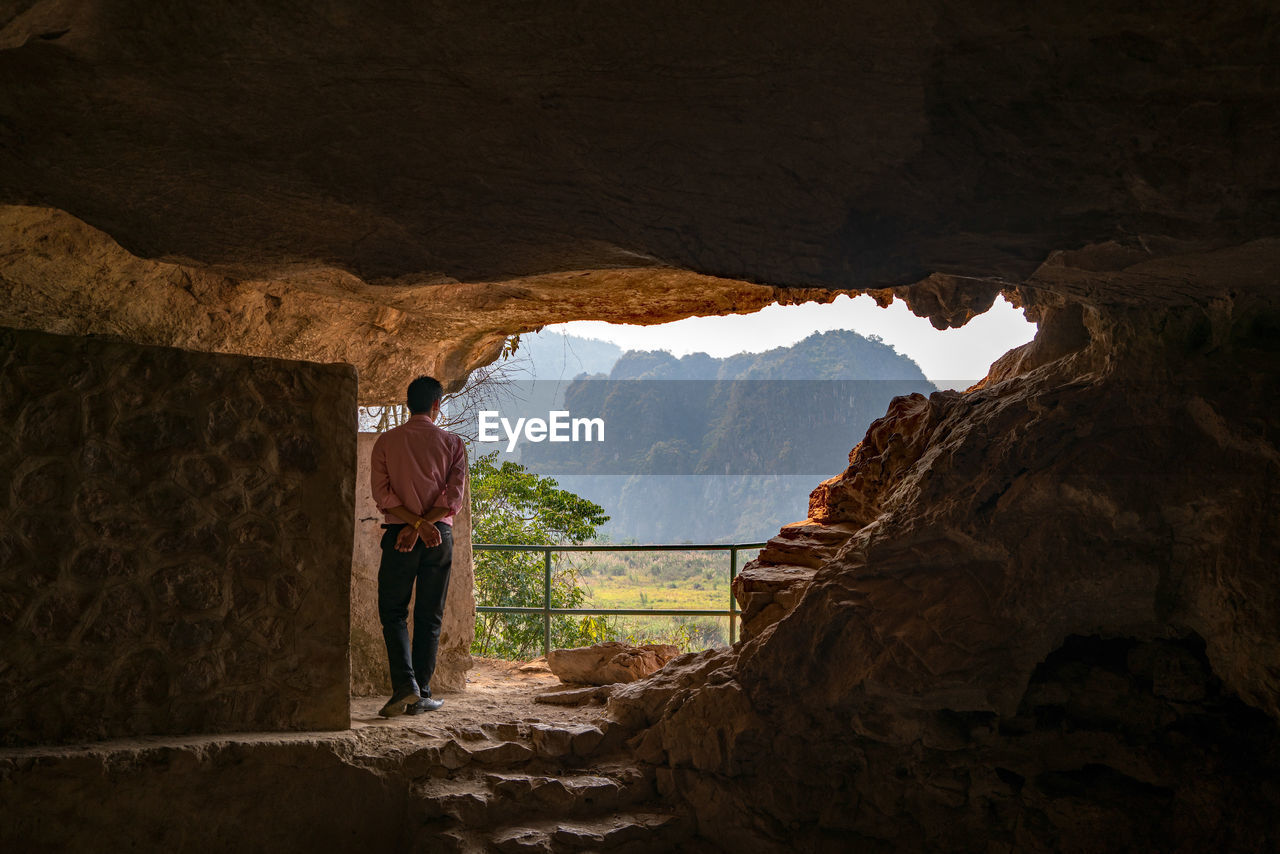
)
(423, 394)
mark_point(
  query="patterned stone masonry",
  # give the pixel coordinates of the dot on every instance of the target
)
(175, 540)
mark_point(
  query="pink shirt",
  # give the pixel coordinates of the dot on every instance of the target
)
(418, 466)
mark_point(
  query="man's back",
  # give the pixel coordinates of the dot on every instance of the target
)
(419, 475)
(419, 466)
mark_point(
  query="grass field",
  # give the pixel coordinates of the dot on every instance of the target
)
(612, 595)
(693, 580)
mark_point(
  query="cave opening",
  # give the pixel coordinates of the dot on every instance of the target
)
(819, 348)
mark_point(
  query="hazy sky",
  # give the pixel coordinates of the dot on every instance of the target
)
(954, 358)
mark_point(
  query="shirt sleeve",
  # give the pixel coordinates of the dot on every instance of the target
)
(455, 484)
(380, 479)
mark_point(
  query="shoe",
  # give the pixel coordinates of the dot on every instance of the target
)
(426, 704)
(396, 705)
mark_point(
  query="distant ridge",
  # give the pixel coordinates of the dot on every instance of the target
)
(720, 418)
(840, 354)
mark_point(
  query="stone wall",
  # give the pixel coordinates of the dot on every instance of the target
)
(175, 540)
(1054, 627)
(368, 654)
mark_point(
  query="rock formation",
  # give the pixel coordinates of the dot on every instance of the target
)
(770, 586)
(609, 662)
(1042, 614)
(504, 786)
(64, 276)
(404, 188)
(174, 541)
(978, 667)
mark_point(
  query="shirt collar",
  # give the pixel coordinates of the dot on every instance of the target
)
(421, 416)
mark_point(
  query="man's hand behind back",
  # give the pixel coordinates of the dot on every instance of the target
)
(407, 537)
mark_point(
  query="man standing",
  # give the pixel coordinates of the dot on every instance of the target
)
(418, 474)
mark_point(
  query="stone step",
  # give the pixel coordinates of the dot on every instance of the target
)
(468, 802)
(485, 799)
(480, 778)
(806, 543)
(619, 832)
(453, 754)
(506, 745)
(768, 592)
(553, 741)
(567, 794)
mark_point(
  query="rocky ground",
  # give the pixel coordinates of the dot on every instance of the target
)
(498, 692)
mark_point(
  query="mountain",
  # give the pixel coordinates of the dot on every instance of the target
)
(841, 354)
(701, 449)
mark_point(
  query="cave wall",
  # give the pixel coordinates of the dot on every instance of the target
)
(1054, 628)
(369, 673)
(175, 540)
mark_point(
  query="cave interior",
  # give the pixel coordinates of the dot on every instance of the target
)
(1039, 615)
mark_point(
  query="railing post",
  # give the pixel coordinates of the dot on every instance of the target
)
(733, 603)
(546, 602)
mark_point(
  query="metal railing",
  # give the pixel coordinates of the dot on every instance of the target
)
(547, 611)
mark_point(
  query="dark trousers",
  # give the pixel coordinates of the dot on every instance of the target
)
(429, 567)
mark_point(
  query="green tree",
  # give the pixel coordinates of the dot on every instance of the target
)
(510, 504)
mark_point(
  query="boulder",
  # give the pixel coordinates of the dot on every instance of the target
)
(610, 662)
(576, 696)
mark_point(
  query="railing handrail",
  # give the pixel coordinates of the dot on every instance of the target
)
(547, 611)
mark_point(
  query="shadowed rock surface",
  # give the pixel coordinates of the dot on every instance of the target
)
(770, 586)
(502, 786)
(1056, 607)
(864, 145)
(1052, 625)
(366, 182)
(63, 276)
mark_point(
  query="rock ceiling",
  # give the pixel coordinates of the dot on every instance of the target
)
(314, 174)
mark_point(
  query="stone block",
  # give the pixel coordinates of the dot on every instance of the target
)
(151, 582)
